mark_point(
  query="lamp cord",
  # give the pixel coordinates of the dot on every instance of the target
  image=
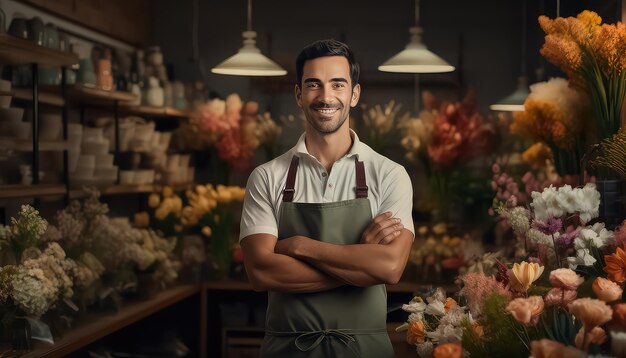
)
(558, 8)
(417, 12)
(524, 30)
(249, 15)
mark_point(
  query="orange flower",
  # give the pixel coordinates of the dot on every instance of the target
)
(450, 303)
(546, 348)
(448, 350)
(526, 310)
(560, 297)
(616, 266)
(606, 290)
(537, 155)
(590, 312)
(566, 279)
(596, 336)
(619, 314)
(416, 333)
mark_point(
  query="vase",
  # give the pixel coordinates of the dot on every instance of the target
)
(21, 334)
(611, 207)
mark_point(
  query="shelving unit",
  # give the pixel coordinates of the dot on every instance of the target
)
(96, 326)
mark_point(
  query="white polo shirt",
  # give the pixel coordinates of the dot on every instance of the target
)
(389, 186)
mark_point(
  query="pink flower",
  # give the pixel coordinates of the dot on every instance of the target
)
(565, 278)
(560, 297)
(596, 336)
(477, 286)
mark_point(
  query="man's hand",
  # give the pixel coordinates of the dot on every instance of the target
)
(382, 230)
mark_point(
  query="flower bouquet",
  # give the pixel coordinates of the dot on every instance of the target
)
(166, 211)
(555, 114)
(212, 211)
(447, 141)
(379, 124)
(437, 253)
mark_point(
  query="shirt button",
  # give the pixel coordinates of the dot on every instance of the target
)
(324, 174)
(330, 185)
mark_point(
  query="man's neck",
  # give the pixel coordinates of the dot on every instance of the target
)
(329, 148)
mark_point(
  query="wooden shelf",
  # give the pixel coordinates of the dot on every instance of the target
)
(16, 51)
(131, 189)
(97, 96)
(26, 145)
(150, 111)
(6, 93)
(52, 98)
(25, 191)
(96, 326)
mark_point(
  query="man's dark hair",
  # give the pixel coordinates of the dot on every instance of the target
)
(329, 47)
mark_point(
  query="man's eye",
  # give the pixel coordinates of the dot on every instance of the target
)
(313, 85)
(339, 85)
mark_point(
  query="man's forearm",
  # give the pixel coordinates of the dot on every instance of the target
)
(282, 273)
(359, 264)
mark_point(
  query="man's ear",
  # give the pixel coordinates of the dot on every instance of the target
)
(356, 94)
(298, 94)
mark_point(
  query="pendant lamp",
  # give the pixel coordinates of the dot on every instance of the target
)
(416, 58)
(515, 101)
(249, 61)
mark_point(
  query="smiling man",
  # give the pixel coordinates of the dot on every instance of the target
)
(326, 225)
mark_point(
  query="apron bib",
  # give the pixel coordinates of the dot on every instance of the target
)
(347, 321)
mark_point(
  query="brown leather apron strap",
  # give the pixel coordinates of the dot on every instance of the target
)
(291, 180)
(361, 183)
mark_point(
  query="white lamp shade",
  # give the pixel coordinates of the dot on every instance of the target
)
(416, 58)
(515, 101)
(249, 61)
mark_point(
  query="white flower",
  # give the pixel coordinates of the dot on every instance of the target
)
(583, 257)
(417, 316)
(567, 199)
(618, 344)
(32, 291)
(519, 221)
(425, 350)
(538, 237)
(454, 317)
(436, 308)
(446, 333)
(606, 236)
(589, 204)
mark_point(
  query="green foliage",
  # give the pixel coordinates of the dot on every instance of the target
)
(503, 336)
(559, 325)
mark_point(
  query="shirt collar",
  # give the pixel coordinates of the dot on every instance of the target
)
(358, 148)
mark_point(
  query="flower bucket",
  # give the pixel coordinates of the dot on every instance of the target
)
(611, 208)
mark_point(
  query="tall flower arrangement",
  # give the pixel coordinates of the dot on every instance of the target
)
(444, 139)
(591, 54)
(555, 114)
(379, 123)
(212, 210)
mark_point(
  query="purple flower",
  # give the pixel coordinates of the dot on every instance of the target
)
(566, 240)
(548, 227)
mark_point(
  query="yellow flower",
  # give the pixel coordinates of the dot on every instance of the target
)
(201, 189)
(154, 200)
(161, 213)
(177, 204)
(440, 229)
(142, 219)
(206, 231)
(167, 191)
(537, 155)
(178, 228)
(216, 218)
(524, 274)
(224, 196)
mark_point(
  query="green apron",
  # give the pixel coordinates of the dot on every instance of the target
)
(347, 321)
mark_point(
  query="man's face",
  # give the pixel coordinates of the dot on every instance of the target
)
(327, 94)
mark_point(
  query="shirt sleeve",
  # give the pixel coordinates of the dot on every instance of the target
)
(398, 197)
(257, 216)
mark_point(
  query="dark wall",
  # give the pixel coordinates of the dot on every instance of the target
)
(482, 38)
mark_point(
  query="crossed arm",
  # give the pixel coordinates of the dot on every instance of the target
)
(299, 264)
